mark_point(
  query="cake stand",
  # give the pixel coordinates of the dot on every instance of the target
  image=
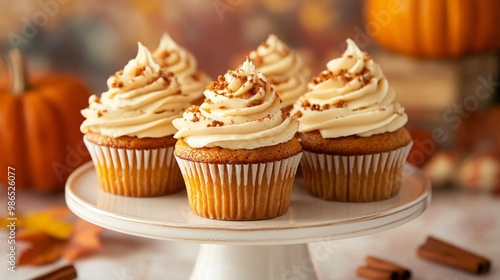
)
(268, 249)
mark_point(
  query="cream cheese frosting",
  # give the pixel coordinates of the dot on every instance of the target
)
(283, 68)
(351, 97)
(141, 101)
(241, 111)
(173, 58)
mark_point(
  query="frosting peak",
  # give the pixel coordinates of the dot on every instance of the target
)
(351, 97)
(167, 43)
(141, 101)
(173, 58)
(248, 67)
(241, 111)
(283, 67)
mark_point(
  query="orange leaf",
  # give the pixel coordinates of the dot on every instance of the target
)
(83, 240)
(43, 248)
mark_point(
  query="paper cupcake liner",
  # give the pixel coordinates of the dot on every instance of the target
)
(136, 173)
(360, 178)
(239, 192)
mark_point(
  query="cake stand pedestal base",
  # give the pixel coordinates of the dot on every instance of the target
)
(249, 262)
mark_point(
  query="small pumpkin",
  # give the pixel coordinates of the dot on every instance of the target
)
(40, 141)
(434, 28)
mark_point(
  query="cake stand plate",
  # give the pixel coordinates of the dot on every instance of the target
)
(267, 249)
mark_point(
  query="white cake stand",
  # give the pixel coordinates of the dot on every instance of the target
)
(268, 249)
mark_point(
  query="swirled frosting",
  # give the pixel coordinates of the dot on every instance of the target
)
(175, 59)
(351, 97)
(241, 111)
(141, 101)
(283, 68)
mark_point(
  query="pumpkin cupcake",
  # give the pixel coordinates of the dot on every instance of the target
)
(352, 131)
(128, 130)
(237, 151)
(173, 58)
(283, 68)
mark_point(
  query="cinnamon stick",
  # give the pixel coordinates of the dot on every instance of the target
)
(445, 253)
(384, 265)
(454, 250)
(67, 272)
(375, 274)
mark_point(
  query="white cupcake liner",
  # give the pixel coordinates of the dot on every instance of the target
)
(357, 178)
(239, 191)
(134, 172)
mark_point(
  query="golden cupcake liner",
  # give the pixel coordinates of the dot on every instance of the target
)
(239, 192)
(361, 178)
(136, 173)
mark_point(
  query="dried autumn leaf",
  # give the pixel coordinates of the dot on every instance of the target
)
(43, 249)
(55, 222)
(83, 240)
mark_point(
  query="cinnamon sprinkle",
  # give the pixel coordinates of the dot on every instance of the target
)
(215, 124)
(364, 77)
(193, 109)
(254, 103)
(117, 83)
(218, 85)
(140, 71)
(253, 91)
(322, 76)
(339, 104)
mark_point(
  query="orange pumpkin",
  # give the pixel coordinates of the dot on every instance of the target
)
(39, 122)
(434, 28)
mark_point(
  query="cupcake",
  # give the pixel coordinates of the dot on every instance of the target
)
(283, 68)
(129, 132)
(352, 131)
(175, 59)
(237, 151)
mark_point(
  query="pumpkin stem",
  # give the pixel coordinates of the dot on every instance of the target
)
(17, 70)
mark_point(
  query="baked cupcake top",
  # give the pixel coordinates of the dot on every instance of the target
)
(175, 59)
(351, 97)
(141, 101)
(241, 111)
(283, 68)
